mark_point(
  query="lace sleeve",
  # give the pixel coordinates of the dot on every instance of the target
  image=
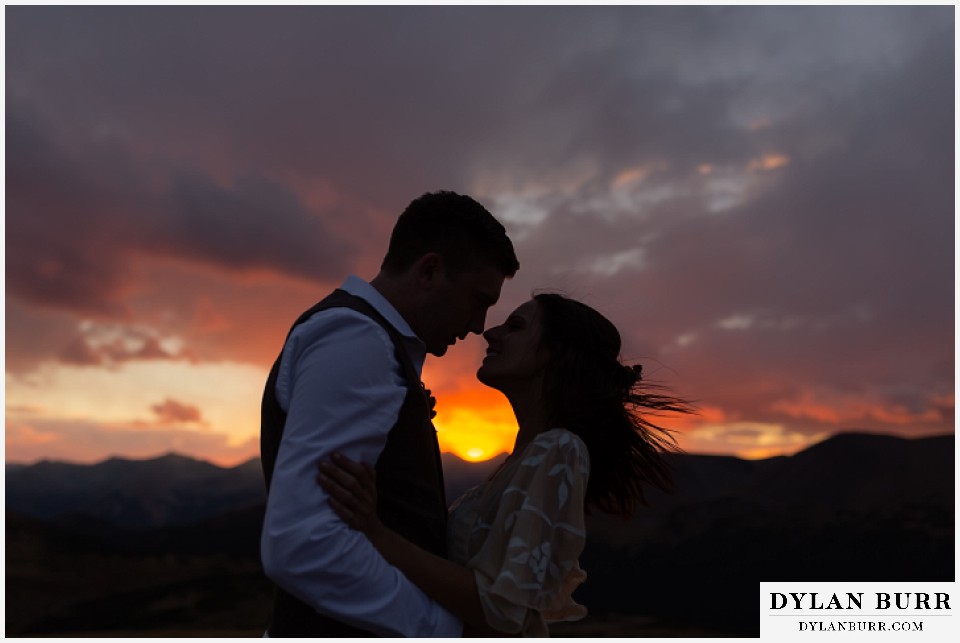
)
(527, 567)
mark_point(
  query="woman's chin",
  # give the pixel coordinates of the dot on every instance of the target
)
(485, 378)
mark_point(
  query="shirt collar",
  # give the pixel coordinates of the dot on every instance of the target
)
(360, 288)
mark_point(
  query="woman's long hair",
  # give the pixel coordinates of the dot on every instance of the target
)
(588, 390)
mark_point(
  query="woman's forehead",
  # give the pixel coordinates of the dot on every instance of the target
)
(527, 310)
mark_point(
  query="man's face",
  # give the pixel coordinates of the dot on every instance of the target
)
(458, 306)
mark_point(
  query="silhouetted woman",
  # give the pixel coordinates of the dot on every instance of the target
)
(584, 440)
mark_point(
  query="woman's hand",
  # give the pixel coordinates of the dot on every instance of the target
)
(431, 400)
(353, 493)
(353, 496)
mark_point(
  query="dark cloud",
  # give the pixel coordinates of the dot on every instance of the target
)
(80, 353)
(760, 197)
(76, 221)
(34, 337)
(827, 260)
(253, 223)
(60, 243)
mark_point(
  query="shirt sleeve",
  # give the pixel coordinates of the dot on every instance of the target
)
(528, 565)
(341, 386)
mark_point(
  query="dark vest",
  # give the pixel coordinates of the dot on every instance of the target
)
(410, 494)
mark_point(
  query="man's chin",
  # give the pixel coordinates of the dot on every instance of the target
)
(438, 351)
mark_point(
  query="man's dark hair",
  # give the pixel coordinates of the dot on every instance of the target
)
(454, 226)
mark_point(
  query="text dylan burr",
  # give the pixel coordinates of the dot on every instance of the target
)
(854, 600)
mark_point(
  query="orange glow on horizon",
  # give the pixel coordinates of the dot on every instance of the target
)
(475, 425)
(762, 453)
(478, 424)
(145, 408)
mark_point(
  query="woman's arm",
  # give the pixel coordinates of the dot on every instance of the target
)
(353, 495)
(450, 584)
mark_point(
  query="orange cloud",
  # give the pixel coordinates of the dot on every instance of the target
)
(682, 423)
(749, 440)
(846, 410)
(90, 348)
(768, 162)
(219, 316)
(171, 411)
(27, 436)
(630, 176)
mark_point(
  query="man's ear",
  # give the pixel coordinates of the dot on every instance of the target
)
(428, 269)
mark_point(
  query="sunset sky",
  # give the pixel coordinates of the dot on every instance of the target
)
(761, 198)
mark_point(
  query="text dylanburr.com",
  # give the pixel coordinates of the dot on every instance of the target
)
(795, 611)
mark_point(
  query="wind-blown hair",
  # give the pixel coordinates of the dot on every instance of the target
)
(456, 227)
(588, 390)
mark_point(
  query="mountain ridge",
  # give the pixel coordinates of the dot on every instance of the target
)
(730, 524)
(844, 435)
(174, 489)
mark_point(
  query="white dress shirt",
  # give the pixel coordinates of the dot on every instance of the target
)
(342, 388)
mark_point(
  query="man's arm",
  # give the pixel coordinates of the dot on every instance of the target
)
(343, 392)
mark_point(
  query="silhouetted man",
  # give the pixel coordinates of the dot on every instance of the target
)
(348, 381)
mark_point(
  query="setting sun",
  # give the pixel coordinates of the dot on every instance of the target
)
(475, 425)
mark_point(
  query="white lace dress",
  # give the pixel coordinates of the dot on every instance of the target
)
(522, 532)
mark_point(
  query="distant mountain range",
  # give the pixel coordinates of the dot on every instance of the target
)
(856, 507)
(165, 491)
(171, 490)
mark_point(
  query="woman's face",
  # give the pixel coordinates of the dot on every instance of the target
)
(513, 349)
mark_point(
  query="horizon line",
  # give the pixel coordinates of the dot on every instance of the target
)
(171, 453)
